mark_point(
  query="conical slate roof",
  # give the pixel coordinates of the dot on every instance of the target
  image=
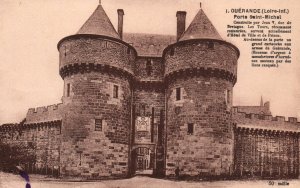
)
(99, 24)
(200, 28)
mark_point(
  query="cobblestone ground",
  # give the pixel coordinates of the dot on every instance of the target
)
(14, 181)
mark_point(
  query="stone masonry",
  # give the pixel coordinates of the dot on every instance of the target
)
(135, 102)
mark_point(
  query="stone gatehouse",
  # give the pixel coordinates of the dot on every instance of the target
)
(135, 102)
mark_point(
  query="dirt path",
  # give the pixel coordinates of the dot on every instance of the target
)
(15, 181)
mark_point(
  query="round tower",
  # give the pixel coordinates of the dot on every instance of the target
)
(200, 72)
(97, 69)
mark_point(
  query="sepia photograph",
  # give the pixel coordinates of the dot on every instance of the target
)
(149, 93)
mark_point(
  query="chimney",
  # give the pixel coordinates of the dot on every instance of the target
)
(180, 23)
(120, 22)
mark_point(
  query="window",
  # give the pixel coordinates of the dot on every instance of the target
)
(116, 92)
(210, 45)
(178, 94)
(98, 124)
(190, 128)
(142, 109)
(227, 96)
(177, 109)
(172, 52)
(148, 67)
(68, 90)
(65, 53)
(128, 50)
(80, 159)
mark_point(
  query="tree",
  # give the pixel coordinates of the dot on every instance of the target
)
(14, 154)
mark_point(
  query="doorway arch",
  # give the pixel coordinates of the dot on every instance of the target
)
(143, 159)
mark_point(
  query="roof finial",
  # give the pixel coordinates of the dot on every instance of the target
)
(200, 5)
(99, 2)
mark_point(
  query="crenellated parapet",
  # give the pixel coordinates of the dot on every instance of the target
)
(44, 113)
(43, 109)
(26, 126)
(261, 121)
(264, 132)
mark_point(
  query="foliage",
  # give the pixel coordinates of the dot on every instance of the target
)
(14, 154)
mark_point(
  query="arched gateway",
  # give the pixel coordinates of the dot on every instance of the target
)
(134, 103)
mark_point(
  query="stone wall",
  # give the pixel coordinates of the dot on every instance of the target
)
(208, 150)
(45, 113)
(268, 122)
(156, 69)
(93, 50)
(197, 54)
(145, 100)
(39, 144)
(266, 146)
(90, 150)
(266, 153)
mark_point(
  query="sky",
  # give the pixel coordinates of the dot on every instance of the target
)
(31, 29)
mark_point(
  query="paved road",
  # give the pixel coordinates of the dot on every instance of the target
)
(14, 181)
